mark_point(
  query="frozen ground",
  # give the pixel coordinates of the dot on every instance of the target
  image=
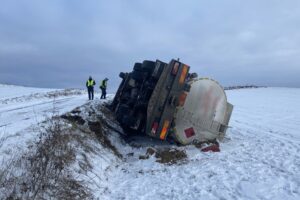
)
(22, 107)
(259, 158)
(12, 91)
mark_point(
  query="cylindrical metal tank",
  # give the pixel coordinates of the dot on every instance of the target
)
(204, 113)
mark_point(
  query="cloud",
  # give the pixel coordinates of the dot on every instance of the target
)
(61, 43)
(17, 48)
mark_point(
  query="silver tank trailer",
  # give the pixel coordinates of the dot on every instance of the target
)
(205, 114)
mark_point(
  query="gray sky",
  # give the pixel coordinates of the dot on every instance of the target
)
(59, 43)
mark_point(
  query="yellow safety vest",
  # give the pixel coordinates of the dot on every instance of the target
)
(104, 84)
(90, 83)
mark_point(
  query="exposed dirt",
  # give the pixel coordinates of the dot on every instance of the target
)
(102, 124)
(150, 151)
(165, 155)
(109, 117)
(89, 121)
(76, 111)
(97, 128)
(74, 119)
(170, 156)
(108, 113)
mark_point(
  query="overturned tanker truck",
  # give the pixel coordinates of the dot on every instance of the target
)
(165, 101)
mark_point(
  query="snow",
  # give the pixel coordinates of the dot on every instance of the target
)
(11, 91)
(22, 107)
(259, 156)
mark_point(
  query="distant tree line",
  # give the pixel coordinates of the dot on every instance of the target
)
(242, 87)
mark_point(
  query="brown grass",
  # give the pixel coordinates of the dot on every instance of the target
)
(42, 172)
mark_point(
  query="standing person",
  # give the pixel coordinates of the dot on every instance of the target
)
(90, 87)
(103, 87)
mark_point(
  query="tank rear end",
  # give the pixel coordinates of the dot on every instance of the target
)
(205, 114)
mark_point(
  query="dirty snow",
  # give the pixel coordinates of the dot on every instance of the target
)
(259, 157)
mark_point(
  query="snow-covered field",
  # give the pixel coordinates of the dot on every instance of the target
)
(259, 158)
(22, 107)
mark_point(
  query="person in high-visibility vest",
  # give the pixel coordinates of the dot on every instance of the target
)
(90, 87)
(103, 87)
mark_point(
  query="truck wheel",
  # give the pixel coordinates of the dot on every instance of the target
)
(137, 67)
(138, 76)
(148, 66)
(122, 75)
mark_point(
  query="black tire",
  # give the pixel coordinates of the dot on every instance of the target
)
(138, 76)
(148, 66)
(137, 67)
(122, 75)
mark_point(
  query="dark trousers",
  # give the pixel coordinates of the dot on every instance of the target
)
(91, 93)
(103, 95)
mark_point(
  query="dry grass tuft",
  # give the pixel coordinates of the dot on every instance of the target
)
(42, 172)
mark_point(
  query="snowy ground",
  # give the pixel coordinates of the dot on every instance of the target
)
(259, 158)
(22, 107)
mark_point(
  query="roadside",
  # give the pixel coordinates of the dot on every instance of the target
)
(259, 157)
